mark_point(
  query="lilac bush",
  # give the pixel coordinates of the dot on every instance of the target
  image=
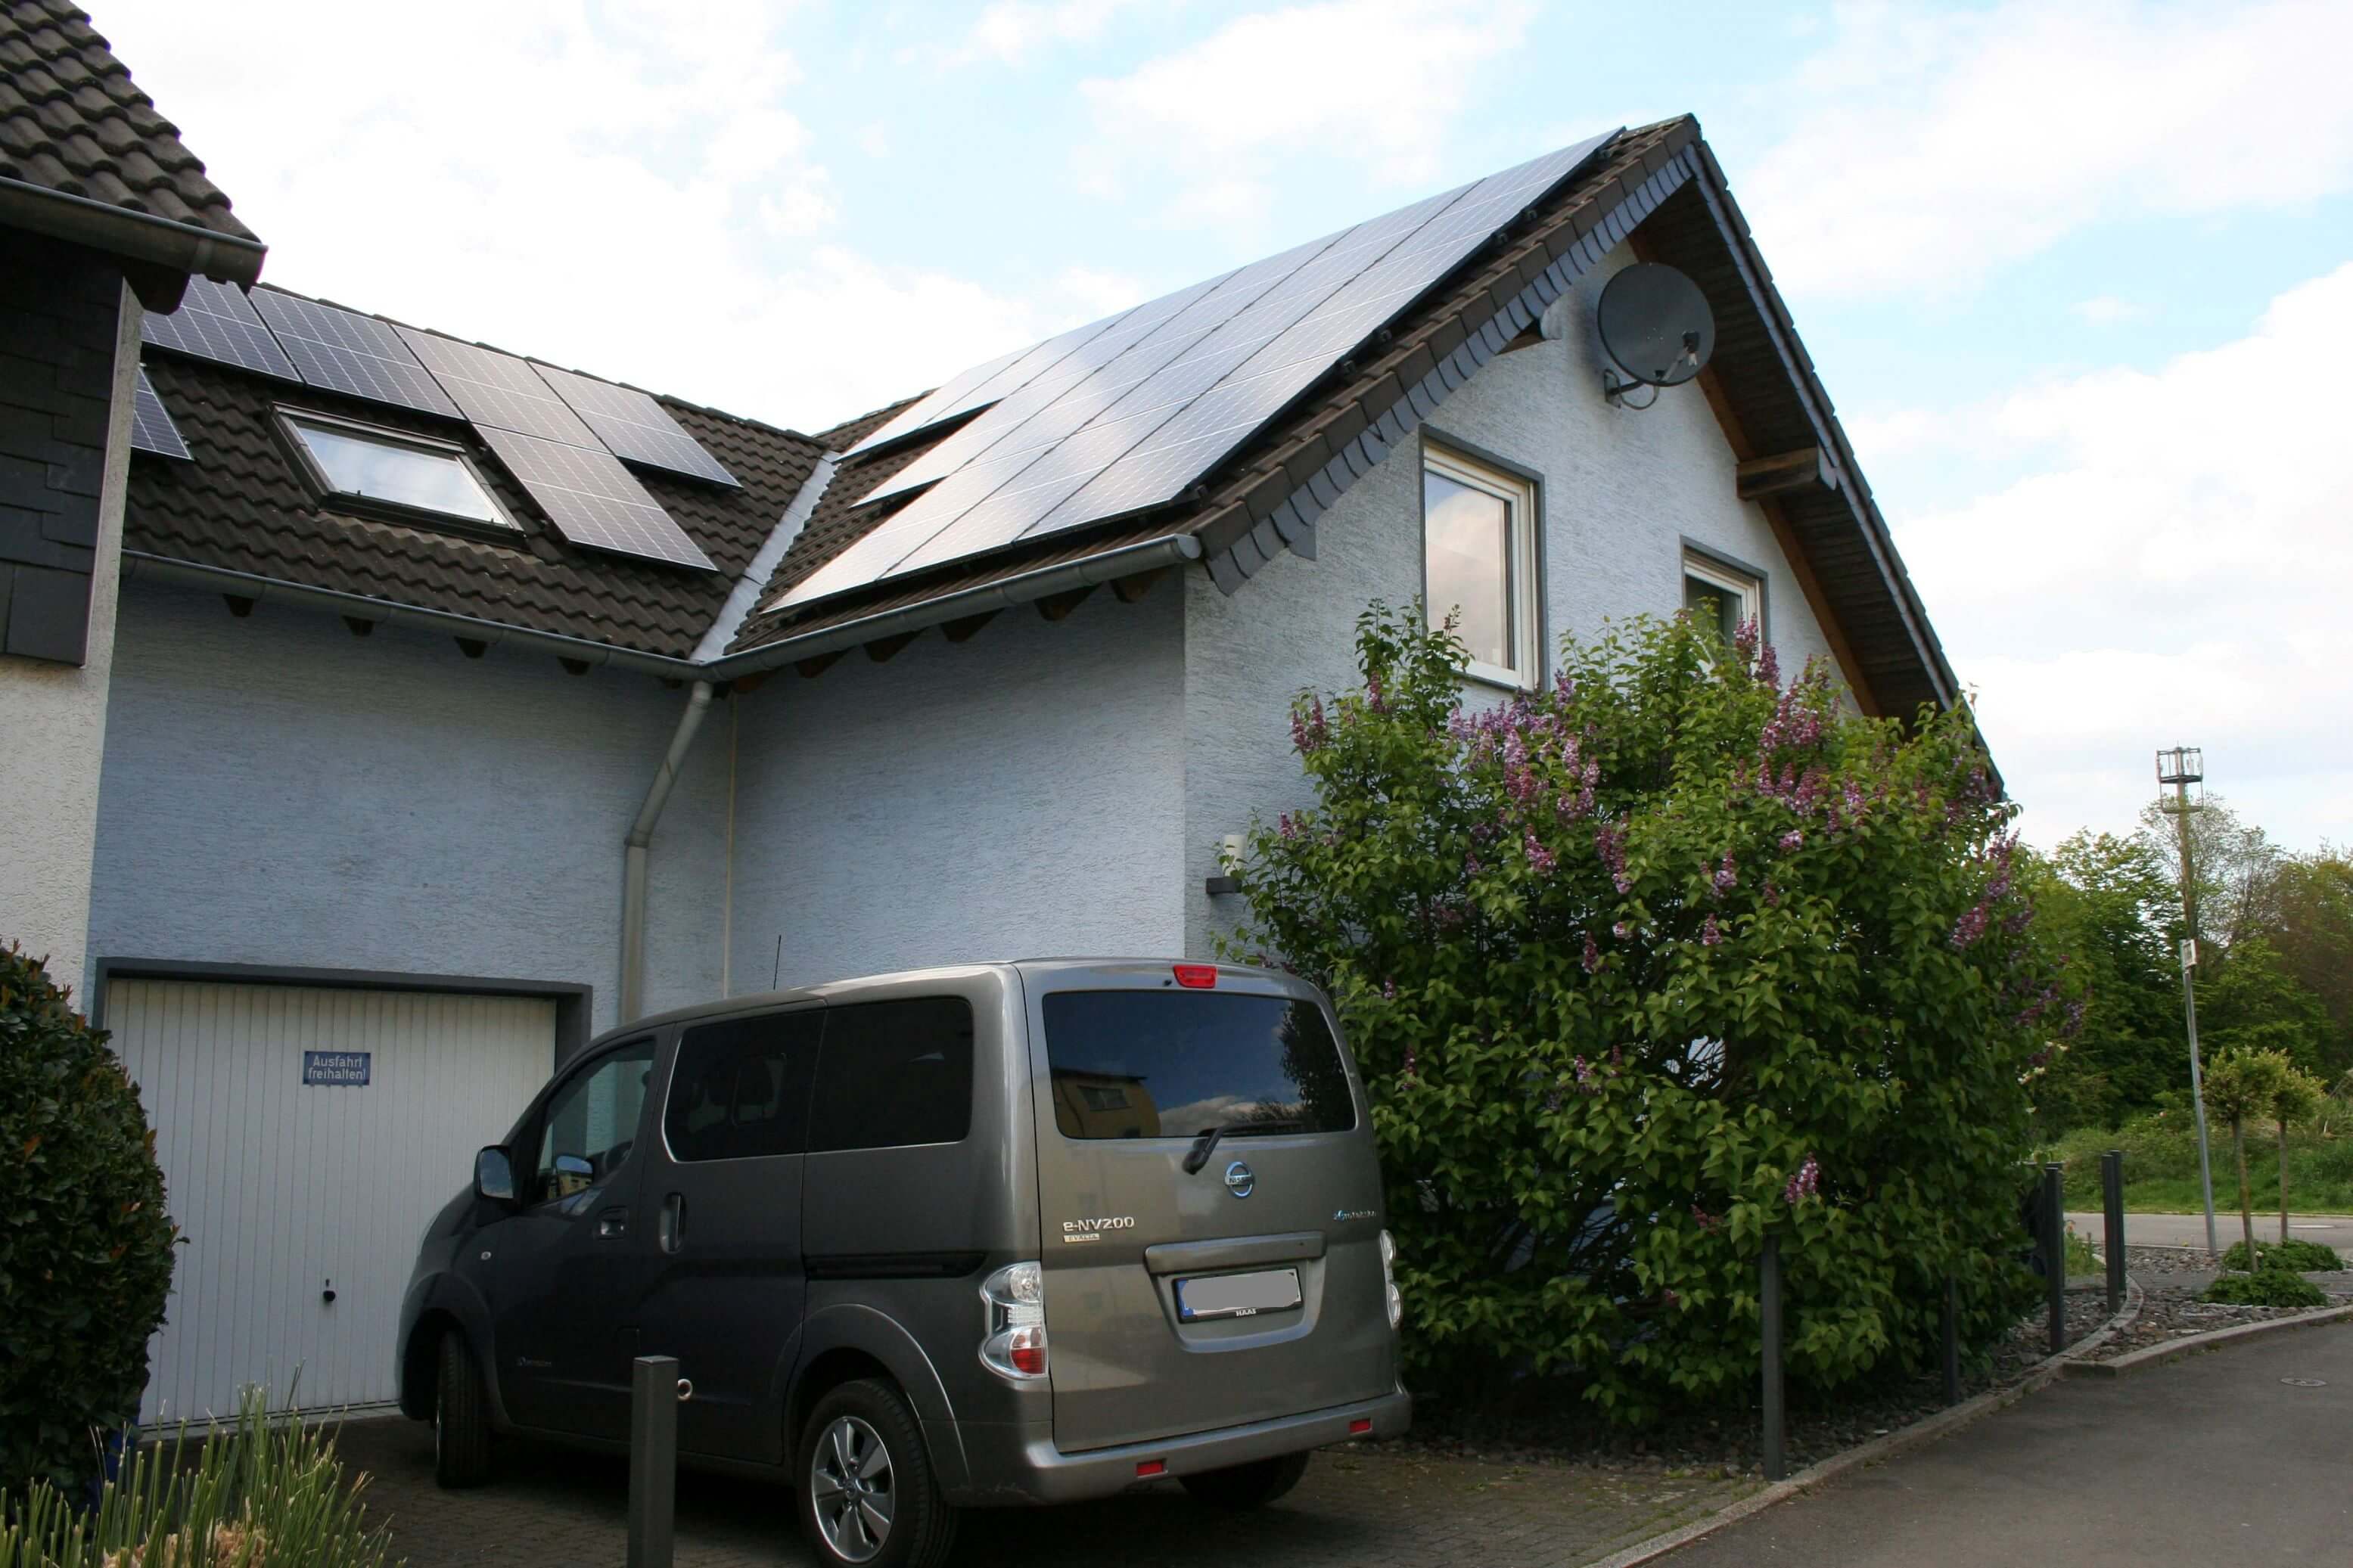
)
(1649, 964)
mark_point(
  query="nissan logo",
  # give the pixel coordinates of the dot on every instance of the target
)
(1239, 1180)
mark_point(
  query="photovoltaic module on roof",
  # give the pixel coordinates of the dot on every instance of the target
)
(493, 388)
(634, 426)
(152, 429)
(593, 501)
(217, 322)
(345, 352)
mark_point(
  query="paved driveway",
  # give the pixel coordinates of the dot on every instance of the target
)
(1357, 1507)
(2210, 1460)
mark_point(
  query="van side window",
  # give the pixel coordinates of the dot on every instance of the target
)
(893, 1073)
(739, 1090)
(590, 1125)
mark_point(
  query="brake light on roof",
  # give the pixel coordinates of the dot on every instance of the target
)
(1196, 977)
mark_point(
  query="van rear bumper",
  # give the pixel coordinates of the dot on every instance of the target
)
(1016, 1463)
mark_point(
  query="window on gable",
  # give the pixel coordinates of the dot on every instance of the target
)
(372, 465)
(1479, 564)
(1721, 596)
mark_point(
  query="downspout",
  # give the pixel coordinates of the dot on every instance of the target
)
(634, 853)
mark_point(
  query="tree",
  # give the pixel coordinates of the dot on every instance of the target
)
(2248, 1001)
(2313, 934)
(2242, 1085)
(1651, 964)
(2294, 1098)
(2108, 902)
(2237, 867)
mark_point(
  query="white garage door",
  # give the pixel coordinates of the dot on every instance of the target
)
(306, 1136)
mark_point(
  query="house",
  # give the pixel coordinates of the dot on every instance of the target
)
(464, 705)
(103, 214)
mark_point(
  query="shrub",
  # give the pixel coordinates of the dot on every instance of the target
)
(85, 1245)
(265, 1491)
(1648, 966)
(2271, 1287)
(2294, 1256)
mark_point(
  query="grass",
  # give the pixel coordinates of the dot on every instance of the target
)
(2161, 1168)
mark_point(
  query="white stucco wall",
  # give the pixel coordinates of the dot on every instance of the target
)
(1016, 796)
(280, 792)
(53, 729)
(1621, 491)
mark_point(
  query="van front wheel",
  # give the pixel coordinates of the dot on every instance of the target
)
(1243, 1488)
(867, 1495)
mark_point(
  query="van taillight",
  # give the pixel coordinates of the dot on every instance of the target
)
(1015, 1297)
(1198, 976)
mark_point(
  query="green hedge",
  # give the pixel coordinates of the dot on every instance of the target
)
(2272, 1288)
(2294, 1256)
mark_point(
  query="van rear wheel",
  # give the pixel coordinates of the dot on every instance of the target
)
(867, 1495)
(1242, 1488)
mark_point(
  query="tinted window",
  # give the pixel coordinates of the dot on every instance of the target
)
(892, 1073)
(740, 1087)
(1167, 1064)
(590, 1125)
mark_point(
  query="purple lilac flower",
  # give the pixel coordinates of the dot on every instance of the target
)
(1622, 931)
(1772, 897)
(1768, 667)
(1389, 990)
(1408, 1063)
(1592, 954)
(1285, 826)
(1744, 640)
(1969, 927)
(1584, 1071)
(1727, 874)
(1793, 840)
(1609, 843)
(1539, 856)
(1373, 696)
(1805, 1184)
(1703, 1220)
(1710, 933)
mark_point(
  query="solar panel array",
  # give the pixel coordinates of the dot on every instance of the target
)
(344, 351)
(152, 429)
(634, 426)
(592, 500)
(1129, 412)
(494, 388)
(217, 322)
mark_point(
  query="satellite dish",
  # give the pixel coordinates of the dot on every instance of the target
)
(1655, 324)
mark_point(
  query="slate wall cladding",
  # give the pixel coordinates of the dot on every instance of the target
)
(1016, 795)
(280, 792)
(1621, 490)
(61, 307)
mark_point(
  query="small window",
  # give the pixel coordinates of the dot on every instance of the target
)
(741, 1087)
(590, 1126)
(1721, 596)
(377, 465)
(1165, 1064)
(1479, 564)
(893, 1073)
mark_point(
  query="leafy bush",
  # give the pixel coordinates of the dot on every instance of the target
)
(2161, 1165)
(2268, 1288)
(2294, 1257)
(1646, 967)
(85, 1245)
(263, 1493)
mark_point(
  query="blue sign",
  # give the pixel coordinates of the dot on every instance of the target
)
(336, 1068)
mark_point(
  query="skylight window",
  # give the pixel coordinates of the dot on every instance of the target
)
(406, 472)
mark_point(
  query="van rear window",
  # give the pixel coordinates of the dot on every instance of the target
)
(1162, 1064)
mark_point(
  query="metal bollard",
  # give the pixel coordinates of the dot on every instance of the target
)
(2112, 1199)
(1769, 1311)
(656, 1391)
(2054, 1251)
(1952, 1340)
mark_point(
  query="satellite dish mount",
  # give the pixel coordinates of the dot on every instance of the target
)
(1656, 328)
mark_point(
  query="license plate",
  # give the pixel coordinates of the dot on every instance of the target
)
(1237, 1295)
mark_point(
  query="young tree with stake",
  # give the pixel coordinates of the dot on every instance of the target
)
(2240, 1086)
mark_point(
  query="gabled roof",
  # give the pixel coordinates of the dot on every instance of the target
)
(84, 155)
(1268, 494)
(240, 505)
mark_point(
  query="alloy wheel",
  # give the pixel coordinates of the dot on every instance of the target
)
(850, 1484)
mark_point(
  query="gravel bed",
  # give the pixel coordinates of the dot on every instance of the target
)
(1725, 1444)
(2171, 1308)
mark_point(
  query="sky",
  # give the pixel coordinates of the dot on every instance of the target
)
(2076, 277)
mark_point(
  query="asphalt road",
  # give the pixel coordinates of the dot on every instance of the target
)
(2189, 1230)
(2214, 1460)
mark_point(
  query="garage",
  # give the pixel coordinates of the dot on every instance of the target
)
(307, 1133)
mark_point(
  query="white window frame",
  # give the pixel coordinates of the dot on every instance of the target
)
(1745, 588)
(291, 420)
(1522, 588)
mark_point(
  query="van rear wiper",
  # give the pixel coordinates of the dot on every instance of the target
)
(1198, 1155)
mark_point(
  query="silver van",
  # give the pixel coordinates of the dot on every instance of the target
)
(1004, 1234)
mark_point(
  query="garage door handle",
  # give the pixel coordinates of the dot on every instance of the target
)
(613, 1223)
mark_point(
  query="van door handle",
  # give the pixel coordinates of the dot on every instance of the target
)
(613, 1224)
(672, 1230)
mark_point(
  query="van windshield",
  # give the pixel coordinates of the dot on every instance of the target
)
(1164, 1064)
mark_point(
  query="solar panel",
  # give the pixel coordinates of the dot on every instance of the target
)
(634, 426)
(933, 407)
(1112, 443)
(344, 351)
(217, 322)
(497, 389)
(152, 429)
(593, 501)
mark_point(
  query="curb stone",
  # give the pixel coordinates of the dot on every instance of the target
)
(2158, 1355)
(1921, 1432)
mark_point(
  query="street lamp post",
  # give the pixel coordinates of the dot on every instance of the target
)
(2178, 769)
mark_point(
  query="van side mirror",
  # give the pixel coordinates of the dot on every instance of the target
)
(494, 1176)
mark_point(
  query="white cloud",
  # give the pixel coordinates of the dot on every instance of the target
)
(1010, 30)
(2173, 571)
(2107, 310)
(1376, 81)
(1936, 145)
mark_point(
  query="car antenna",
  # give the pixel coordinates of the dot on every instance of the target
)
(776, 971)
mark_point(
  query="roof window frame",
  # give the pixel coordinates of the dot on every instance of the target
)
(286, 422)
